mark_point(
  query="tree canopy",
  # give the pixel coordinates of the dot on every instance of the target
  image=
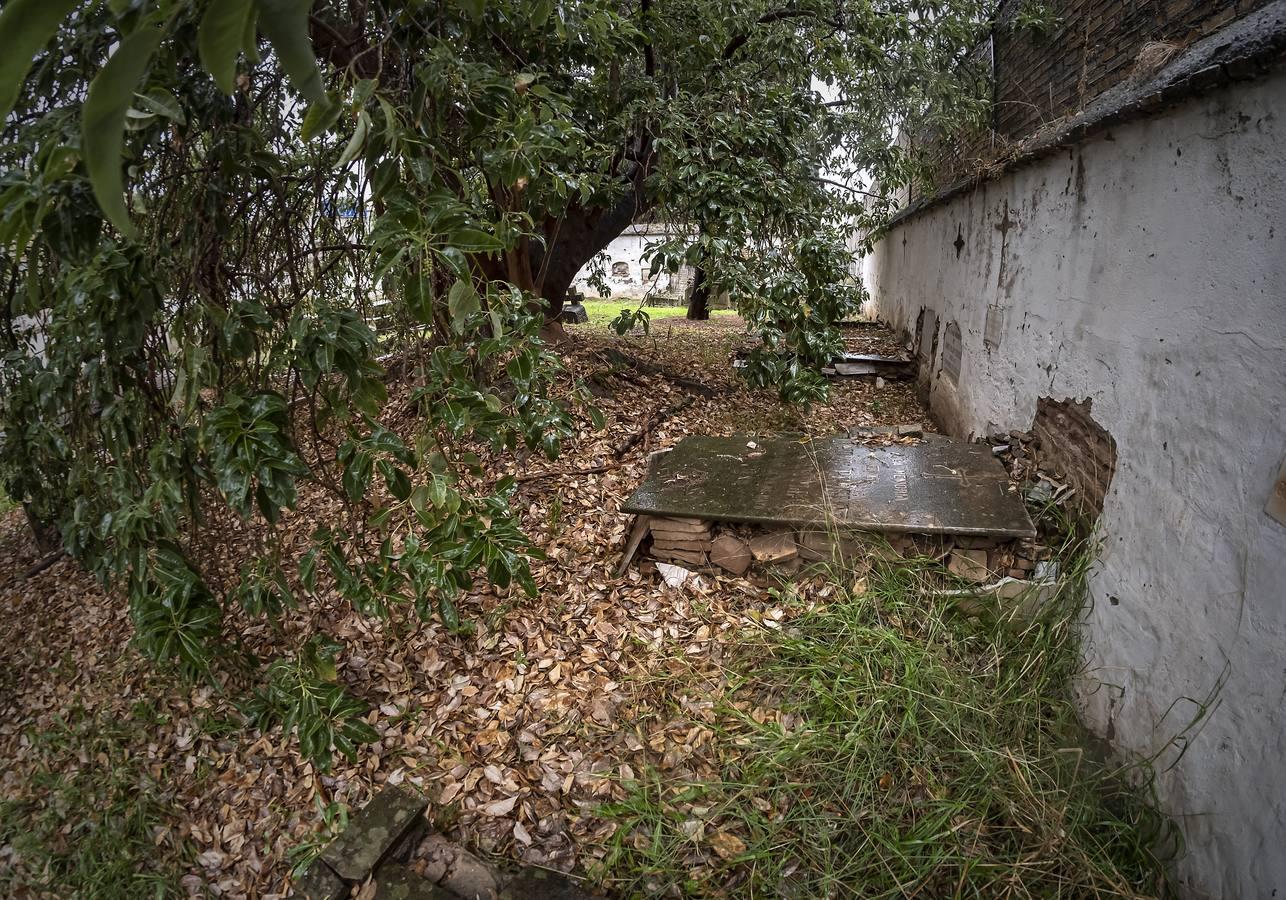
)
(205, 202)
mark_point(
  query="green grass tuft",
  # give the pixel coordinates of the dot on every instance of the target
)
(927, 753)
(93, 821)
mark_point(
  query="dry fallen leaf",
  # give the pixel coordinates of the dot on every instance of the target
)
(727, 845)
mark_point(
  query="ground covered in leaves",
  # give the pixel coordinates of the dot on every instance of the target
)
(835, 736)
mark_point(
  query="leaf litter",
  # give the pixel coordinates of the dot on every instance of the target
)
(518, 733)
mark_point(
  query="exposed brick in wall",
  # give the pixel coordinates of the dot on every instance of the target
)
(1073, 445)
(1094, 46)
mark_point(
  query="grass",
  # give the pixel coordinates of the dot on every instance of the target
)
(602, 312)
(93, 821)
(927, 754)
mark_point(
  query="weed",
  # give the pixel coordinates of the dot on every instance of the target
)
(93, 822)
(333, 819)
(907, 750)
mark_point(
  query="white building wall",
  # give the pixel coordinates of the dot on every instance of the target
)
(1146, 270)
(627, 273)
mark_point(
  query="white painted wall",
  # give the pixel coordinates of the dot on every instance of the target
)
(630, 248)
(1146, 270)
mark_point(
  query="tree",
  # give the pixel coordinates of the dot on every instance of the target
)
(202, 200)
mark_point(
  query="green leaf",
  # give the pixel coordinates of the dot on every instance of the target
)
(103, 121)
(285, 22)
(27, 25)
(320, 116)
(474, 8)
(220, 38)
(356, 141)
(462, 302)
(161, 102)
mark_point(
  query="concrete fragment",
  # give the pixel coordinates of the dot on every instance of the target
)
(970, 565)
(775, 547)
(731, 553)
(374, 832)
(320, 883)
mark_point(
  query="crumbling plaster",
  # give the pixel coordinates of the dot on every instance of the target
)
(1146, 270)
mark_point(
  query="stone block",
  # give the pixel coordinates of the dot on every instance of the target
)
(970, 565)
(731, 553)
(320, 883)
(775, 547)
(695, 546)
(675, 525)
(374, 832)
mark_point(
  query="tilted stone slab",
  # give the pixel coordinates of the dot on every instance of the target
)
(940, 487)
(375, 832)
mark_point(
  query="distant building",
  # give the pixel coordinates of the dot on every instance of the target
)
(626, 271)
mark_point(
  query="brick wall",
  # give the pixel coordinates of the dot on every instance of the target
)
(1073, 445)
(1093, 46)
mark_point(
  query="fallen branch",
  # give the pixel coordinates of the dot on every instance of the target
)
(44, 563)
(651, 422)
(618, 360)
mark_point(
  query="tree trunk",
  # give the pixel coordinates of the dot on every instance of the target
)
(699, 301)
(47, 537)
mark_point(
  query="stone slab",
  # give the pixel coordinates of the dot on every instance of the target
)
(320, 883)
(943, 487)
(374, 832)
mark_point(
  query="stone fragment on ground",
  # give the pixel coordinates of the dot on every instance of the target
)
(777, 546)
(374, 832)
(320, 883)
(970, 565)
(456, 869)
(731, 554)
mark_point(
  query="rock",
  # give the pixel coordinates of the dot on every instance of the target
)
(913, 431)
(774, 547)
(970, 565)
(320, 883)
(374, 832)
(825, 546)
(731, 553)
(573, 314)
(879, 383)
(394, 882)
(457, 870)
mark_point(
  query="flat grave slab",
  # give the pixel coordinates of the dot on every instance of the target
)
(943, 487)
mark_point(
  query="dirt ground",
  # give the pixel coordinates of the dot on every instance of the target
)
(516, 733)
